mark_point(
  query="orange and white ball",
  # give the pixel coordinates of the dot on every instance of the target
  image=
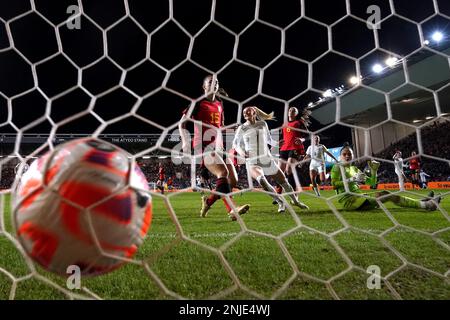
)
(82, 204)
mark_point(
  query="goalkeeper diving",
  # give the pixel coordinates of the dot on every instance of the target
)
(344, 173)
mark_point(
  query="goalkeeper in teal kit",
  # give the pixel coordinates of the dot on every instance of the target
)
(354, 177)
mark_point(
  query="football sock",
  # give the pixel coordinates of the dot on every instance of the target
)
(268, 187)
(278, 189)
(212, 199)
(227, 205)
(288, 189)
(316, 190)
(222, 186)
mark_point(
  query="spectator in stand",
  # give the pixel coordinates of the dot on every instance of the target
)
(170, 183)
(439, 134)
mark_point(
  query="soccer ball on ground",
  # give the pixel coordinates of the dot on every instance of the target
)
(84, 204)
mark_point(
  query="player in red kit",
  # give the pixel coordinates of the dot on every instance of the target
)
(161, 178)
(292, 149)
(209, 116)
(414, 168)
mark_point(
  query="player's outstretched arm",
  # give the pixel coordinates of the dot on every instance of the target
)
(336, 177)
(238, 142)
(269, 138)
(308, 154)
(184, 133)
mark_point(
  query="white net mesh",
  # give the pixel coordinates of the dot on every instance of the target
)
(60, 80)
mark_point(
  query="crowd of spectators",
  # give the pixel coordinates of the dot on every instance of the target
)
(7, 176)
(435, 142)
(180, 174)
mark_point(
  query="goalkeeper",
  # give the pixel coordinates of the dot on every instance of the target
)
(354, 177)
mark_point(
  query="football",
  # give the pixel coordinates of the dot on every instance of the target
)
(83, 204)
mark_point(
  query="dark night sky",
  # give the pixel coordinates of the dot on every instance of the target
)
(213, 48)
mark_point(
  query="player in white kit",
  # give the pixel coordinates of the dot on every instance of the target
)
(423, 178)
(251, 142)
(316, 152)
(398, 164)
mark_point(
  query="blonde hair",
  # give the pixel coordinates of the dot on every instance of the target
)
(261, 115)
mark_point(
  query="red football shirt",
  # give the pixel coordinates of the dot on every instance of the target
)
(292, 137)
(211, 113)
(162, 173)
(414, 164)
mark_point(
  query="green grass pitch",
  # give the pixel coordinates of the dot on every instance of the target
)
(325, 256)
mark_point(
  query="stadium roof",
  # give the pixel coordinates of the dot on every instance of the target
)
(409, 103)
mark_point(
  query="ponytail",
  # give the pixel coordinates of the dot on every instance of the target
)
(221, 92)
(261, 115)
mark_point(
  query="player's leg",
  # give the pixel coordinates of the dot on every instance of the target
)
(232, 175)
(282, 164)
(280, 178)
(160, 186)
(214, 162)
(313, 176)
(353, 202)
(401, 181)
(291, 163)
(257, 173)
(233, 179)
(322, 172)
(406, 202)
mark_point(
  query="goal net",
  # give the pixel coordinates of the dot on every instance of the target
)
(374, 74)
